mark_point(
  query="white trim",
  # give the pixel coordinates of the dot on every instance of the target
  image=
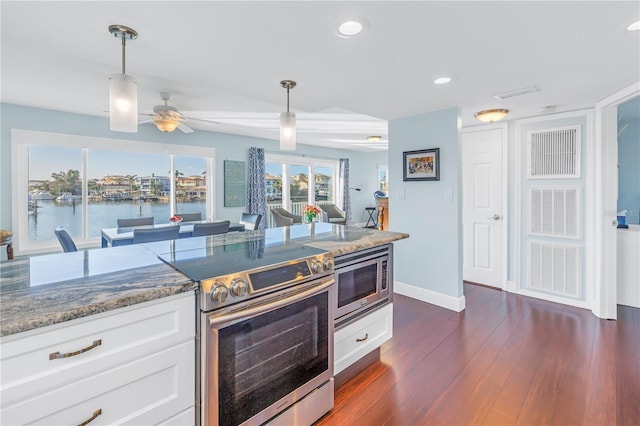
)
(604, 292)
(456, 304)
(589, 256)
(504, 127)
(511, 286)
(552, 298)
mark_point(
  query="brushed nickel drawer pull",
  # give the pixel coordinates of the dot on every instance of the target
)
(366, 336)
(58, 355)
(92, 418)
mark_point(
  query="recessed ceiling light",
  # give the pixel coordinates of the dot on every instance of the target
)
(442, 80)
(350, 28)
(634, 27)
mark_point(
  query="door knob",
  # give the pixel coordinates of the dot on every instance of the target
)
(495, 217)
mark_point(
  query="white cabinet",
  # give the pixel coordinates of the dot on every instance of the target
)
(629, 266)
(357, 339)
(133, 365)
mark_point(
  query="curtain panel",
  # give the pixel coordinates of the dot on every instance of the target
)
(256, 197)
(344, 187)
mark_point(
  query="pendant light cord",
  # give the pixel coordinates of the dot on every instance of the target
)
(124, 45)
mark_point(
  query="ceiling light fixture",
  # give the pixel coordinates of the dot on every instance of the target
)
(166, 124)
(288, 122)
(374, 138)
(350, 28)
(634, 27)
(442, 80)
(491, 115)
(123, 89)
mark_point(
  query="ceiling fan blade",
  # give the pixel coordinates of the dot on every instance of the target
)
(184, 128)
(203, 120)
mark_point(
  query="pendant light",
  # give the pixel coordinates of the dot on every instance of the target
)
(123, 89)
(288, 122)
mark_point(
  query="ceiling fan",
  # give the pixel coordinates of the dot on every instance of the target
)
(167, 118)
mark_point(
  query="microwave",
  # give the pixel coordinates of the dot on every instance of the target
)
(363, 281)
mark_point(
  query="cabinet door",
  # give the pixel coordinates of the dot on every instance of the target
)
(124, 335)
(148, 390)
(361, 337)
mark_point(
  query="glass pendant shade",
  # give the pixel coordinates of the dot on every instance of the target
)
(123, 103)
(166, 124)
(287, 131)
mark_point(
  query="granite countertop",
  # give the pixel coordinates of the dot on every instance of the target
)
(44, 290)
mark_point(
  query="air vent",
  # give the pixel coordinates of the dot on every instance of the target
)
(554, 153)
(517, 92)
(555, 212)
(554, 268)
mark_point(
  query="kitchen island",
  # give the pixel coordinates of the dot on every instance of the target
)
(83, 332)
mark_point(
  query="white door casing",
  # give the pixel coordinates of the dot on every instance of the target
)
(606, 196)
(483, 188)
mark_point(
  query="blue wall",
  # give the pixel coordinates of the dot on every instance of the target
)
(363, 166)
(629, 165)
(432, 258)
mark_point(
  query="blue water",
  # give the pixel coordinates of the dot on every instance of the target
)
(51, 214)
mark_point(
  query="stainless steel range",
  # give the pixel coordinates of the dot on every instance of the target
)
(266, 331)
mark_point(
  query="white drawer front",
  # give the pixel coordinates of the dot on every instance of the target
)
(358, 339)
(148, 391)
(125, 334)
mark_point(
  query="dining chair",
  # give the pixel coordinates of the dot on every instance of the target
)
(135, 221)
(191, 217)
(214, 228)
(250, 221)
(332, 214)
(284, 218)
(65, 239)
(155, 234)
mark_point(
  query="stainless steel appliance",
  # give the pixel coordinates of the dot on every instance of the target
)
(266, 332)
(363, 280)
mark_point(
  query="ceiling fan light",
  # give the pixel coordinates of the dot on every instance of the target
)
(123, 103)
(491, 115)
(287, 131)
(166, 124)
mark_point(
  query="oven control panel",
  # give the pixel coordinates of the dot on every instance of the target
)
(229, 289)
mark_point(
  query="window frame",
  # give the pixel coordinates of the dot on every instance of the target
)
(22, 139)
(311, 163)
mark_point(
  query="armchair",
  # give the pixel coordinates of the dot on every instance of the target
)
(284, 218)
(332, 214)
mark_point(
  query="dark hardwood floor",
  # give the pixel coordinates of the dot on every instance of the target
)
(506, 359)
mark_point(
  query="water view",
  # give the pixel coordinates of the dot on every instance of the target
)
(51, 214)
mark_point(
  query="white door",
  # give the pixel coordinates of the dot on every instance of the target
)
(482, 217)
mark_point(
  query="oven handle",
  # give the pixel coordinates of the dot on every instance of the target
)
(257, 310)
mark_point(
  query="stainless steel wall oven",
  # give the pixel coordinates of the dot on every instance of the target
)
(363, 280)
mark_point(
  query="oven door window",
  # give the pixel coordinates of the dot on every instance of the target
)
(264, 358)
(356, 284)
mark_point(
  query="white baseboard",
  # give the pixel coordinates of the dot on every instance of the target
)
(511, 286)
(456, 304)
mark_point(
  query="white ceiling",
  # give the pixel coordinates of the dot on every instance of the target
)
(224, 60)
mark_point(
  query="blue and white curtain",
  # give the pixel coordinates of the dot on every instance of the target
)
(344, 182)
(256, 197)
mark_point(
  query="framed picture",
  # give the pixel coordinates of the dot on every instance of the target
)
(423, 164)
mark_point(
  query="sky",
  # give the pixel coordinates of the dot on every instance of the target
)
(45, 160)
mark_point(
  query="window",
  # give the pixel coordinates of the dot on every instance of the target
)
(293, 182)
(383, 179)
(75, 182)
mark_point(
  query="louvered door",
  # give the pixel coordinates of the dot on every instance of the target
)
(553, 249)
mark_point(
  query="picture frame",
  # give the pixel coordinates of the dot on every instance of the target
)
(423, 164)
